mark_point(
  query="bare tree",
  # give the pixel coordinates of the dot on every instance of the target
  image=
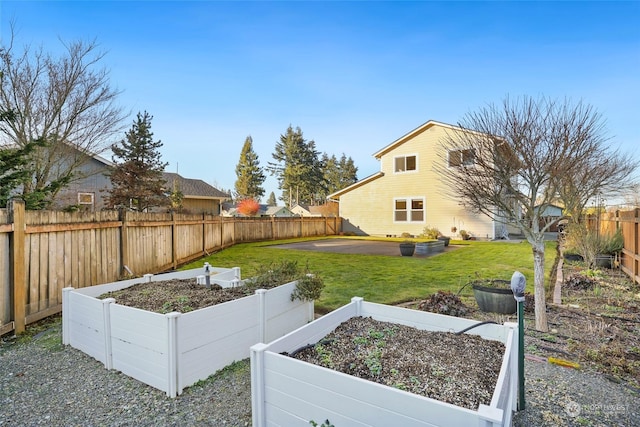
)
(65, 102)
(605, 172)
(510, 161)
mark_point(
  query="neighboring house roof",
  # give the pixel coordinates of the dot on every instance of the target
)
(274, 211)
(230, 209)
(194, 187)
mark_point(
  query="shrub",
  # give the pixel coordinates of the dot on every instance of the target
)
(308, 288)
(431, 233)
(444, 302)
(248, 207)
(589, 244)
(580, 282)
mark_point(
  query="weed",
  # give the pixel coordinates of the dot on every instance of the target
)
(373, 362)
(326, 423)
(325, 356)
(361, 340)
(376, 335)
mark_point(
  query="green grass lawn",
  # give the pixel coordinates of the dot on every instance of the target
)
(386, 279)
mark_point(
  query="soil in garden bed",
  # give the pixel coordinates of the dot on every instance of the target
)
(181, 295)
(458, 369)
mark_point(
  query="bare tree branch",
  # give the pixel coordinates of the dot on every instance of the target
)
(66, 101)
(523, 156)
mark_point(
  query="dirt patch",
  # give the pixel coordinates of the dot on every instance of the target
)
(458, 369)
(182, 295)
(597, 326)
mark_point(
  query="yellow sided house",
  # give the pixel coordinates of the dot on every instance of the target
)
(408, 195)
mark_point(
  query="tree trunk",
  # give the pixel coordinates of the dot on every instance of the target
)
(538, 275)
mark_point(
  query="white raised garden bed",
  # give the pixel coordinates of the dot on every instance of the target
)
(173, 351)
(289, 392)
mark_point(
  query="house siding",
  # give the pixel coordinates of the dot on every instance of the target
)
(369, 209)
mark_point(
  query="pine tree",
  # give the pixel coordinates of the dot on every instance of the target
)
(338, 174)
(137, 178)
(348, 172)
(249, 173)
(272, 200)
(17, 167)
(297, 168)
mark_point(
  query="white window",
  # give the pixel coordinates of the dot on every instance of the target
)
(462, 157)
(405, 163)
(85, 199)
(408, 210)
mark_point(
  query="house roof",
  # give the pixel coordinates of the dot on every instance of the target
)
(194, 187)
(355, 185)
(410, 135)
(417, 131)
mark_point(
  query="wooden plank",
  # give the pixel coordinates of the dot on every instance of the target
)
(94, 256)
(58, 266)
(75, 260)
(53, 228)
(67, 259)
(18, 263)
(52, 276)
(33, 273)
(43, 279)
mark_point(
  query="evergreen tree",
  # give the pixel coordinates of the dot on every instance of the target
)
(17, 167)
(137, 178)
(348, 172)
(250, 174)
(297, 167)
(272, 200)
(338, 174)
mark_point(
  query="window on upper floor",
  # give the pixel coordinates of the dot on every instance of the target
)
(462, 157)
(405, 163)
(408, 209)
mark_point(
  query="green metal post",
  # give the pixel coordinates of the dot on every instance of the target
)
(520, 355)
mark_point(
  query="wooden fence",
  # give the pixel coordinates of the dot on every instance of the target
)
(42, 252)
(629, 223)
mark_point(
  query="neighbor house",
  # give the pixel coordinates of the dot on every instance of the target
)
(231, 209)
(407, 195)
(89, 190)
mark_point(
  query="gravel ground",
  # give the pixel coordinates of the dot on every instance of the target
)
(44, 383)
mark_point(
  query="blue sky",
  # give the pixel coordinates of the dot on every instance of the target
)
(354, 76)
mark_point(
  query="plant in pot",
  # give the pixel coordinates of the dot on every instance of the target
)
(597, 249)
(464, 234)
(610, 246)
(494, 295)
(407, 248)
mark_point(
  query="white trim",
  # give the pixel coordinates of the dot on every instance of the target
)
(405, 156)
(93, 198)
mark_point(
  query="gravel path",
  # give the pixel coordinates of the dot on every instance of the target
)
(45, 383)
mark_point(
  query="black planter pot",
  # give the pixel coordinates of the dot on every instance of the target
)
(445, 239)
(407, 249)
(604, 261)
(495, 300)
(573, 257)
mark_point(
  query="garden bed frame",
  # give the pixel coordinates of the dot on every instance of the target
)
(289, 392)
(175, 350)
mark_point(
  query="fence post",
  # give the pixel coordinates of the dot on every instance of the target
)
(18, 272)
(124, 242)
(635, 266)
(174, 241)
